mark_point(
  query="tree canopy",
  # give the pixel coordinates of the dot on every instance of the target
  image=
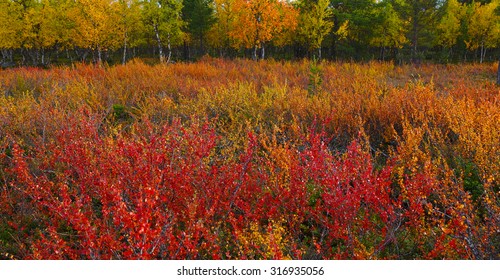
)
(40, 32)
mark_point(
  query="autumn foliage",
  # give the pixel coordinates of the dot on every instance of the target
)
(250, 160)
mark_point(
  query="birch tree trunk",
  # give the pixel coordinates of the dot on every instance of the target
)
(481, 54)
(158, 40)
(99, 55)
(169, 48)
(124, 58)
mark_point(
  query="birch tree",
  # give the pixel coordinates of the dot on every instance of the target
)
(11, 27)
(259, 21)
(483, 28)
(315, 23)
(96, 26)
(164, 20)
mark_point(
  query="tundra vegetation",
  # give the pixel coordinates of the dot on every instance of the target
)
(243, 159)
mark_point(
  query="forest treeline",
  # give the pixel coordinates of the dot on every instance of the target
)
(43, 32)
